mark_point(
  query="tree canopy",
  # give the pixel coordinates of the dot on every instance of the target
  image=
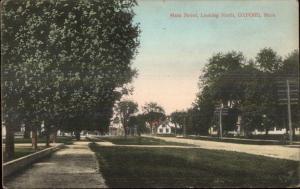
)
(65, 60)
(247, 87)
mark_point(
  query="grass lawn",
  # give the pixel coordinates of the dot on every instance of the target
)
(24, 151)
(60, 139)
(21, 151)
(169, 167)
(133, 140)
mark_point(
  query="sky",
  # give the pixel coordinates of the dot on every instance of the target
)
(173, 50)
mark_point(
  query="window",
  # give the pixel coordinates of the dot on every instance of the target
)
(167, 130)
(160, 130)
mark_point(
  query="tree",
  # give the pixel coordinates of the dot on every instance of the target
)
(178, 118)
(268, 60)
(219, 83)
(154, 114)
(219, 64)
(138, 122)
(290, 71)
(247, 87)
(204, 110)
(125, 110)
(73, 51)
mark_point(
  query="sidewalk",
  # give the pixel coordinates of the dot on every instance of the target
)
(75, 166)
(289, 152)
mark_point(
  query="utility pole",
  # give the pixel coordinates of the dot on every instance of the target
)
(220, 120)
(288, 93)
(184, 127)
(289, 110)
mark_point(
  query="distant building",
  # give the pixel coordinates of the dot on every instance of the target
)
(115, 128)
(273, 131)
(213, 130)
(116, 131)
(165, 128)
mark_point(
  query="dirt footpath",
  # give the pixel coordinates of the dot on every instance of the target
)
(290, 152)
(75, 166)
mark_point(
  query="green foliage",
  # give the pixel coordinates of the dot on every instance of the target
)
(154, 114)
(139, 121)
(66, 60)
(125, 109)
(178, 117)
(268, 60)
(249, 89)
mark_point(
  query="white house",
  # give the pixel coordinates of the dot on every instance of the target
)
(164, 128)
(115, 128)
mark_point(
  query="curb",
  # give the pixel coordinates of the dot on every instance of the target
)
(18, 164)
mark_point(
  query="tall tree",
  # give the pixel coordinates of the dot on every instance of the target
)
(178, 118)
(154, 114)
(62, 59)
(268, 60)
(125, 110)
(290, 71)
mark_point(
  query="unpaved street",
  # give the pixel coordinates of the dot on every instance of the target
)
(290, 152)
(75, 166)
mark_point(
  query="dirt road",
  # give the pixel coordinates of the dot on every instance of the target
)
(290, 152)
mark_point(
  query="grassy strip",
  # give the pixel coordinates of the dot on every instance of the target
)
(166, 135)
(23, 151)
(169, 167)
(61, 139)
(133, 140)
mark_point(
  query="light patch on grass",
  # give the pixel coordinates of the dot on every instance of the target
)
(121, 140)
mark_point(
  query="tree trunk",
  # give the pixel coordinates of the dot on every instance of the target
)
(34, 137)
(54, 135)
(267, 131)
(294, 133)
(151, 127)
(27, 131)
(175, 129)
(125, 131)
(139, 132)
(47, 139)
(77, 135)
(47, 133)
(9, 143)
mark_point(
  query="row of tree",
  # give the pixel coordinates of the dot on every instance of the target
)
(64, 63)
(152, 114)
(249, 88)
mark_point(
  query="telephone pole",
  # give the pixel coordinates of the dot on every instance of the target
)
(288, 93)
(184, 127)
(289, 110)
(220, 120)
(220, 110)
